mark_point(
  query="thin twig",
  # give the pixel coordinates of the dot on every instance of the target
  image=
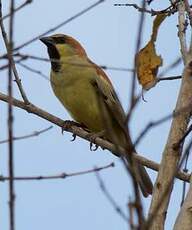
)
(153, 124)
(170, 9)
(9, 47)
(33, 70)
(3, 67)
(18, 8)
(168, 78)
(105, 67)
(133, 78)
(131, 215)
(58, 176)
(185, 170)
(175, 63)
(110, 198)
(17, 78)
(34, 134)
(57, 26)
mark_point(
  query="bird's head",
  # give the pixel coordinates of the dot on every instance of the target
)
(60, 46)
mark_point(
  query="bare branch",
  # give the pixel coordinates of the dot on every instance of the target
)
(9, 46)
(18, 8)
(182, 30)
(185, 170)
(181, 141)
(76, 130)
(133, 100)
(34, 71)
(166, 191)
(172, 65)
(171, 155)
(59, 25)
(34, 134)
(17, 79)
(184, 218)
(169, 78)
(105, 67)
(170, 9)
(62, 175)
(110, 198)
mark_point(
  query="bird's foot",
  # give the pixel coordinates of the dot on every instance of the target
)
(92, 137)
(67, 125)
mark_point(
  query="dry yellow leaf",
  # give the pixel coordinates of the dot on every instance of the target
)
(156, 23)
(147, 61)
(147, 64)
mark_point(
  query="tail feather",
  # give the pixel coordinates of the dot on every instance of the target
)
(145, 182)
(143, 179)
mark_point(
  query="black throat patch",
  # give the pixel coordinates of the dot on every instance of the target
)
(55, 58)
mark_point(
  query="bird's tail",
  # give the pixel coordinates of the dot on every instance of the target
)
(143, 180)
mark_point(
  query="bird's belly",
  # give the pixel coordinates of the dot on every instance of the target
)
(81, 101)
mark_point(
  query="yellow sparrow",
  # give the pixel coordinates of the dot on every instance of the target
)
(87, 93)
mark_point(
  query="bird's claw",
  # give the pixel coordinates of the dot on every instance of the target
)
(93, 147)
(74, 137)
(92, 137)
(68, 124)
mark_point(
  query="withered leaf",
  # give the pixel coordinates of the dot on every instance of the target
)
(147, 61)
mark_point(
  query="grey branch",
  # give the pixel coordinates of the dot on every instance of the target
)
(83, 134)
(184, 218)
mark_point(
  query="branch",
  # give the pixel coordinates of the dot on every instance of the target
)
(34, 134)
(13, 66)
(170, 9)
(9, 46)
(189, 12)
(6, 65)
(18, 8)
(33, 70)
(38, 58)
(184, 218)
(182, 29)
(133, 100)
(110, 198)
(59, 25)
(171, 155)
(172, 65)
(58, 176)
(168, 78)
(77, 131)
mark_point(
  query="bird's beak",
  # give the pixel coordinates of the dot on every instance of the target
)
(48, 41)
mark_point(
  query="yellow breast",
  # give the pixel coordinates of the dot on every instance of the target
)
(73, 87)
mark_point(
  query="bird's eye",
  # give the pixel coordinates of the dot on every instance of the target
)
(59, 40)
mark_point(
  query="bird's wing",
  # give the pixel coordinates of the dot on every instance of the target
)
(107, 93)
(110, 103)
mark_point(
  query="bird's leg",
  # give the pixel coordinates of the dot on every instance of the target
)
(67, 125)
(92, 136)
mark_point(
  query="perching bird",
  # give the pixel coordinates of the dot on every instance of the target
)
(87, 93)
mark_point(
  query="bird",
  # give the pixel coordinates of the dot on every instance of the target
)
(87, 93)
